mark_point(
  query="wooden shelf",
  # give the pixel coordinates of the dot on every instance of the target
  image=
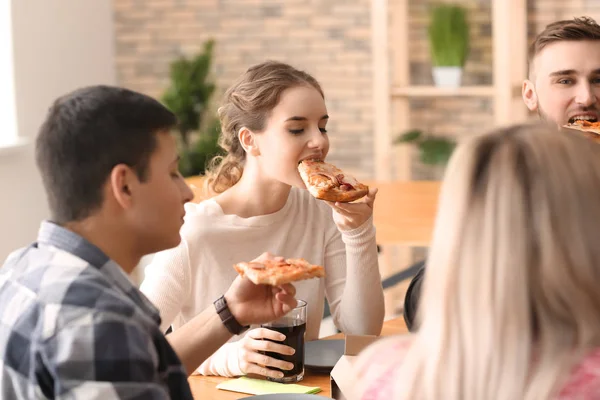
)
(393, 92)
(434, 91)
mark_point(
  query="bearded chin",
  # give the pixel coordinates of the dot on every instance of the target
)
(544, 116)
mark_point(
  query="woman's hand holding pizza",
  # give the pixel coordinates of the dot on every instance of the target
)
(348, 216)
(352, 201)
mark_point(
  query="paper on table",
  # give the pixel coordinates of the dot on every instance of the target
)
(259, 386)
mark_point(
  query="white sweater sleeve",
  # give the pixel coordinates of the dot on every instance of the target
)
(167, 282)
(224, 362)
(167, 285)
(353, 282)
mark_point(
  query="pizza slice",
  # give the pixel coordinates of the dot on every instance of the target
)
(276, 272)
(327, 182)
(590, 129)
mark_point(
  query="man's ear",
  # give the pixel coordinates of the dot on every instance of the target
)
(529, 95)
(122, 182)
(248, 141)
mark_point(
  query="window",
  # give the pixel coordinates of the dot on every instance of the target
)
(8, 114)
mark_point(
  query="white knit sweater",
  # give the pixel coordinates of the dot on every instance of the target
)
(185, 280)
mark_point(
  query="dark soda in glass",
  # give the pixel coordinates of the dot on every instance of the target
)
(293, 326)
(294, 337)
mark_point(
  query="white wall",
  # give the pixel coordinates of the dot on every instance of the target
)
(7, 79)
(59, 45)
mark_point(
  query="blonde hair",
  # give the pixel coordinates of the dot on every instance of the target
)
(510, 297)
(247, 103)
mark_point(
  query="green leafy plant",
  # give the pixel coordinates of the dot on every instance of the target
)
(197, 155)
(449, 35)
(189, 98)
(433, 150)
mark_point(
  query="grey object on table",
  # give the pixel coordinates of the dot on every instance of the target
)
(322, 355)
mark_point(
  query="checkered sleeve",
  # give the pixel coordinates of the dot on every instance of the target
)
(102, 355)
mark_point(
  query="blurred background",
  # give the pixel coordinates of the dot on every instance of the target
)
(390, 120)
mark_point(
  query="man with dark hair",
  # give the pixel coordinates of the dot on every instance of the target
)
(72, 325)
(563, 86)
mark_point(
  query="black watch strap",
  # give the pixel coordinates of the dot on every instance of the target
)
(227, 317)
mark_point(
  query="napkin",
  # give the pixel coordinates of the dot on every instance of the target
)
(260, 386)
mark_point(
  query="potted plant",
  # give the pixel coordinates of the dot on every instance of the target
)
(434, 151)
(449, 43)
(189, 98)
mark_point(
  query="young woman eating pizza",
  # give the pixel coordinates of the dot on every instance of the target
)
(272, 118)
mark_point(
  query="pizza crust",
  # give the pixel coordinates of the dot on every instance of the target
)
(321, 180)
(591, 130)
(277, 273)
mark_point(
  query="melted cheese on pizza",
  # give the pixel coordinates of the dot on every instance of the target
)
(276, 272)
(323, 174)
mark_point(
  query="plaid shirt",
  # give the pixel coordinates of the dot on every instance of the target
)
(72, 326)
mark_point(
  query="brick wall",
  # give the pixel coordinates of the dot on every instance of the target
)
(543, 12)
(329, 39)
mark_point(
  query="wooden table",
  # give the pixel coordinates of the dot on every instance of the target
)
(205, 387)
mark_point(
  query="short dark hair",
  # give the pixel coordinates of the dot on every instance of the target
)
(85, 135)
(576, 29)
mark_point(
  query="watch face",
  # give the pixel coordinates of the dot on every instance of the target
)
(232, 325)
(220, 304)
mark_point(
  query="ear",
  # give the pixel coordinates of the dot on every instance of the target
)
(529, 95)
(122, 185)
(248, 141)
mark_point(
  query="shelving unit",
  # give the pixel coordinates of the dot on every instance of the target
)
(433, 91)
(393, 91)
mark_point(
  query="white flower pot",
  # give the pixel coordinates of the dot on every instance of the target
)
(447, 76)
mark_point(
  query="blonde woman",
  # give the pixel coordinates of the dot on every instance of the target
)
(510, 306)
(273, 117)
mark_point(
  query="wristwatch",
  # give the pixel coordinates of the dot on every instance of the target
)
(227, 317)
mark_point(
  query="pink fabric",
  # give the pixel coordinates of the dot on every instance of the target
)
(382, 367)
(583, 384)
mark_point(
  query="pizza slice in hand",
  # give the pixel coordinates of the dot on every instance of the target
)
(327, 182)
(590, 129)
(279, 272)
